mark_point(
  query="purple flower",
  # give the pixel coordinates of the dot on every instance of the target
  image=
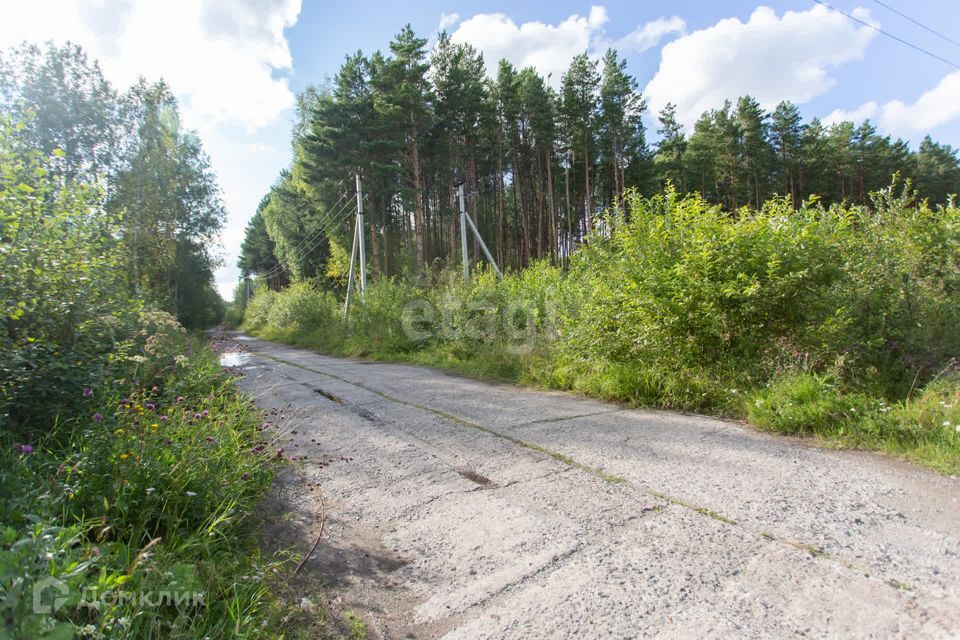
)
(97, 417)
(205, 413)
(151, 406)
(197, 416)
(163, 418)
(211, 439)
(179, 399)
(26, 449)
(87, 392)
(245, 476)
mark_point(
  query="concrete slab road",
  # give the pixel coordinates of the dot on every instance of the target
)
(463, 509)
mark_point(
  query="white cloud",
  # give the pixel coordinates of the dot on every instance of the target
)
(650, 34)
(935, 107)
(447, 20)
(219, 57)
(548, 48)
(769, 57)
(861, 113)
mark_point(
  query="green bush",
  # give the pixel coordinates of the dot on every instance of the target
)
(145, 494)
(819, 315)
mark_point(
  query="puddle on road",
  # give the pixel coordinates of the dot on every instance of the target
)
(234, 359)
(243, 338)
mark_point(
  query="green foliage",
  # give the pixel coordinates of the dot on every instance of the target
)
(792, 318)
(62, 289)
(146, 495)
(161, 199)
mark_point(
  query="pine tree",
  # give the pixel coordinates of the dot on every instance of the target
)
(671, 150)
(786, 135)
(579, 112)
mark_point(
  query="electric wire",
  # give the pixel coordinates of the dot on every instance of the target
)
(325, 227)
(918, 23)
(889, 35)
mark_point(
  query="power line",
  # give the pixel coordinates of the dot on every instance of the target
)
(918, 23)
(300, 250)
(326, 226)
(890, 35)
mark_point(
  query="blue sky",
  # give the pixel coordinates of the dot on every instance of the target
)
(237, 64)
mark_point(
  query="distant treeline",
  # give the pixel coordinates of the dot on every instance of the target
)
(155, 183)
(539, 165)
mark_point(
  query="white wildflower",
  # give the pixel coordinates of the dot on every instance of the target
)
(190, 494)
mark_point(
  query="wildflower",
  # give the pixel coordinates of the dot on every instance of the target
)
(97, 417)
(154, 426)
(26, 449)
(190, 494)
(205, 413)
(179, 399)
(163, 418)
(946, 423)
(151, 406)
(87, 392)
(958, 428)
(124, 456)
(245, 476)
(211, 439)
(197, 416)
(150, 489)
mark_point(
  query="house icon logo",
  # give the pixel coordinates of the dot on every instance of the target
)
(49, 595)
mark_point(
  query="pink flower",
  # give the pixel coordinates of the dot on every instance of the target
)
(87, 392)
(97, 417)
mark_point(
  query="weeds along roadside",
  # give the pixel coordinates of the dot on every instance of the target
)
(132, 518)
(838, 323)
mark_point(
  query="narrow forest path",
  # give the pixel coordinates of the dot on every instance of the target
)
(462, 509)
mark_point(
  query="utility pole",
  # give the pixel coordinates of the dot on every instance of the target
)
(465, 222)
(463, 234)
(360, 240)
(357, 243)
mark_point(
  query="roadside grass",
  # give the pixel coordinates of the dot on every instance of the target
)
(140, 509)
(830, 323)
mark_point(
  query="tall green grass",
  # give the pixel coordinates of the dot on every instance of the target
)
(139, 506)
(783, 317)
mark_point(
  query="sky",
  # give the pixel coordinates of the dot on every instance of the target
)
(237, 65)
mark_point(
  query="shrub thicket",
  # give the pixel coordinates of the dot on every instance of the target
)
(128, 462)
(677, 303)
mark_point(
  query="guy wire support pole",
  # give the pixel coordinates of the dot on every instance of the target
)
(353, 256)
(483, 245)
(360, 240)
(463, 235)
